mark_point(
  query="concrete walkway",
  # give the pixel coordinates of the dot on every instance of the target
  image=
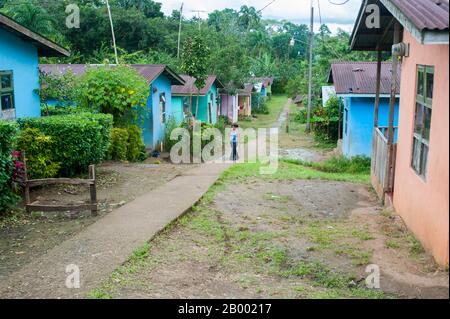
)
(108, 243)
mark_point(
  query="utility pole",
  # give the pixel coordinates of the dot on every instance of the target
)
(199, 18)
(112, 31)
(179, 31)
(311, 45)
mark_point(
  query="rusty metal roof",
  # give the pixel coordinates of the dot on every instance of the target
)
(266, 81)
(149, 71)
(425, 14)
(360, 77)
(189, 87)
(426, 20)
(45, 46)
(299, 99)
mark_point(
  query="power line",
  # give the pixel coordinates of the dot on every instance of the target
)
(266, 6)
(338, 4)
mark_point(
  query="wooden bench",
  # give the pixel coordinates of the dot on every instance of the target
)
(35, 206)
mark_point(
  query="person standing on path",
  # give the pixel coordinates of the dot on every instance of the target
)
(234, 138)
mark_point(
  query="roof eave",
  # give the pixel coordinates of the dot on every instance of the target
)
(174, 75)
(46, 47)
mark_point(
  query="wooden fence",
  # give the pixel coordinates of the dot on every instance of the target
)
(35, 206)
(383, 171)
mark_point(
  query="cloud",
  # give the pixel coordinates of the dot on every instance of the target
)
(297, 11)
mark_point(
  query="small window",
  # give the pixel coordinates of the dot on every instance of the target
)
(162, 107)
(422, 119)
(6, 90)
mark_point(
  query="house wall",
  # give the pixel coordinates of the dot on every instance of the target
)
(203, 115)
(244, 102)
(227, 106)
(153, 129)
(358, 139)
(178, 108)
(423, 204)
(22, 58)
(263, 92)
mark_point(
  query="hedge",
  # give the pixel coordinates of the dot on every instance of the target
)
(127, 144)
(78, 140)
(39, 153)
(8, 132)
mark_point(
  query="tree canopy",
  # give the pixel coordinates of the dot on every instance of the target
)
(240, 42)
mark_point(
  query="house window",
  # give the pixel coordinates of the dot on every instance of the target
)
(6, 90)
(422, 119)
(162, 107)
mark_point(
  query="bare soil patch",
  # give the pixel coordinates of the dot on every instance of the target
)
(25, 237)
(281, 239)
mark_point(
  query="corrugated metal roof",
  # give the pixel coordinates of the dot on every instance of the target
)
(425, 14)
(299, 99)
(360, 77)
(149, 71)
(266, 81)
(189, 86)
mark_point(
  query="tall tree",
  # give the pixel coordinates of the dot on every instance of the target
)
(194, 61)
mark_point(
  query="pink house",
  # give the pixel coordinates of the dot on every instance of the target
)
(413, 174)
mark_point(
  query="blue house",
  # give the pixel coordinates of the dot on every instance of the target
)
(355, 84)
(20, 49)
(159, 105)
(263, 86)
(185, 99)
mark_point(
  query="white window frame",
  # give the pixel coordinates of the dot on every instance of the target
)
(420, 143)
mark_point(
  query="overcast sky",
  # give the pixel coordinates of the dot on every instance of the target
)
(297, 11)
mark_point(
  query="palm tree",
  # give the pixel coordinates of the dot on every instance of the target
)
(31, 16)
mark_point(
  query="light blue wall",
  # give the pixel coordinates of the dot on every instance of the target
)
(153, 129)
(22, 58)
(178, 108)
(203, 102)
(203, 106)
(358, 138)
(263, 92)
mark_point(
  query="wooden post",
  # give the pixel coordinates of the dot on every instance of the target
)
(27, 186)
(93, 190)
(378, 89)
(395, 60)
(288, 119)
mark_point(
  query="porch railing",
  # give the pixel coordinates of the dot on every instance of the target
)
(383, 171)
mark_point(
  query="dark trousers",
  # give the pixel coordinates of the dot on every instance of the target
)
(234, 154)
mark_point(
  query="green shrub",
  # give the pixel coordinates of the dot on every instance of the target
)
(136, 147)
(325, 120)
(78, 140)
(38, 152)
(120, 91)
(8, 132)
(118, 149)
(47, 110)
(341, 164)
(170, 126)
(301, 116)
(259, 105)
(222, 123)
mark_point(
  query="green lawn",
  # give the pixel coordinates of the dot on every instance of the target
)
(275, 105)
